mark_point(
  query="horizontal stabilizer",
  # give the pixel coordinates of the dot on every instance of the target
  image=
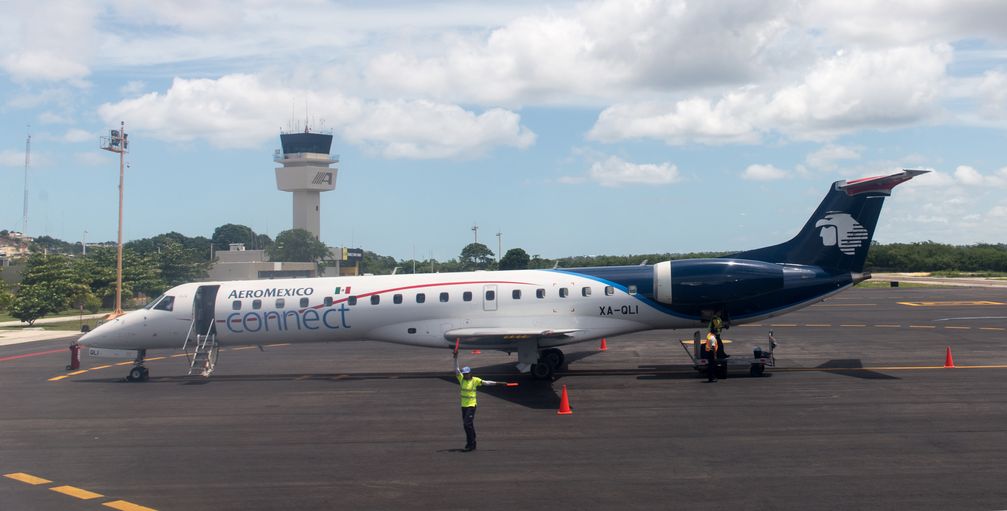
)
(476, 336)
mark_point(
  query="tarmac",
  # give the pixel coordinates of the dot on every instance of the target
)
(860, 413)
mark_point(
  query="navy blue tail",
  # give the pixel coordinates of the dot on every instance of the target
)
(839, 233)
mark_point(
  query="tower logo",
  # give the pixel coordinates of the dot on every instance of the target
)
(322, 178)
(841, 229)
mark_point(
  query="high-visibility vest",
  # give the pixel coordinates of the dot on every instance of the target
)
(711, 342)
(468, 389)
(716, 324)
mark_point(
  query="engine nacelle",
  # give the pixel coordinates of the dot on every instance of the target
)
(706, 281)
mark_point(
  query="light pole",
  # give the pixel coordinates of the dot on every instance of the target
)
(499, 245)
(117, 142)
(475, 233)
(83, 244)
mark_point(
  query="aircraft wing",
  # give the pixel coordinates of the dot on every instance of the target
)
(475, 336)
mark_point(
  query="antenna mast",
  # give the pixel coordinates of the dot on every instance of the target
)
(27, 163)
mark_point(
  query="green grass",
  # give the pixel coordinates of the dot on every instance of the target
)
(67, 326)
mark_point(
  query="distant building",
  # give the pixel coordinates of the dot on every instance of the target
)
(241, 264)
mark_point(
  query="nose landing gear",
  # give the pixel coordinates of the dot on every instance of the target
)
(138, 372)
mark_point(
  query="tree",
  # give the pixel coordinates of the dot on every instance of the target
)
(297, 245)
(50, 284)
(515, 259)
(5, 296)
(476, 256)
(226, 234)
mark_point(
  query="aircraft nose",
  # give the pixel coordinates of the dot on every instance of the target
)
(104, 335)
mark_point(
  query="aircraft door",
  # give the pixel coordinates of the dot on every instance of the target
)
(203, 304)
(490, 297)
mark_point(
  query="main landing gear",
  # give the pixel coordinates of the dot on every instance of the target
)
(138, 372)
(549, 360)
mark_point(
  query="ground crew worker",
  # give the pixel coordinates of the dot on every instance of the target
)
(710, 354)
(468, 384)
(716, 325)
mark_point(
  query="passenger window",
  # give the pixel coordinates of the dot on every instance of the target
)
(444, 297)
(540, 293)
(516, 294)
(256, 304)
(375, 299)
(280, 302)
(491, 295)
(304, 302)
(396, 299)
(421, 297)
(467, 296)
(563, 292)
(352, 300)
(166, 304)
(609, 290)
(328, 301)
(585, 291)
(632, 289)
(236, 305)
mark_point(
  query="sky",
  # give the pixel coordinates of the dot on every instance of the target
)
(570, 128)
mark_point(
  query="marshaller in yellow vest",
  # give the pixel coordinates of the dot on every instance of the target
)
(468, 384)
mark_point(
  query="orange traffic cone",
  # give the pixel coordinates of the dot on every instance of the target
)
(564, 404)
(604, 347)
(948, 361)
(476, 352)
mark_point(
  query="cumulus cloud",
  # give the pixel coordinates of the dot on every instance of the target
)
(10, 158)
(615, 171)
(826, 157)
(969, 176)
(763, 173)
(48, 41)
(79, 135)
(847, 91)
(243, 110)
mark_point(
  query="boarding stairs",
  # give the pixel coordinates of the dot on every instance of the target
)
(204, 353)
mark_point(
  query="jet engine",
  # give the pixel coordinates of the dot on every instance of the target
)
(706, 281)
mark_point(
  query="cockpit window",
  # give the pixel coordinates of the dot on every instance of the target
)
(166, 304)
(152, 303)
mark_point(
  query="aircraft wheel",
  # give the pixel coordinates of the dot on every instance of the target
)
(138, 373)
(541, 371)
(554, 357)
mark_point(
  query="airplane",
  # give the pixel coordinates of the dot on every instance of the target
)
(530, 312)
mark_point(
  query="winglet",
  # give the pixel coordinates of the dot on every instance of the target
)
(883, 184)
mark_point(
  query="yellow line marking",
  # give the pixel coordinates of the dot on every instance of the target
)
(778, 325)
(958, 328)
(57, 378)
(855, 326)
(998, 329)
(77, 492)
(123, 505)
(824, 325)
(281, 344)
(75, 373)
(124, 363)
(243, 348)
(155, 358)
(884, 368)
(27, 478)
(921, 326)
(888, 326)
(95, 368)
(949, 304)
(178, 355)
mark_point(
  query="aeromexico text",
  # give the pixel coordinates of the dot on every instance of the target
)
(283, 320)
(274, 292)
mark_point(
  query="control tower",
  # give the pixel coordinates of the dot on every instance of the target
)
(306, 172)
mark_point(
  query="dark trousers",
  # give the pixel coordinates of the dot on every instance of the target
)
(468, 421)
(711, 365)
(720, 346)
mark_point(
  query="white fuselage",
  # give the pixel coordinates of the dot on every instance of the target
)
(420, 310)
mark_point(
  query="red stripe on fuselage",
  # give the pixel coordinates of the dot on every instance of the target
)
(392, 290)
